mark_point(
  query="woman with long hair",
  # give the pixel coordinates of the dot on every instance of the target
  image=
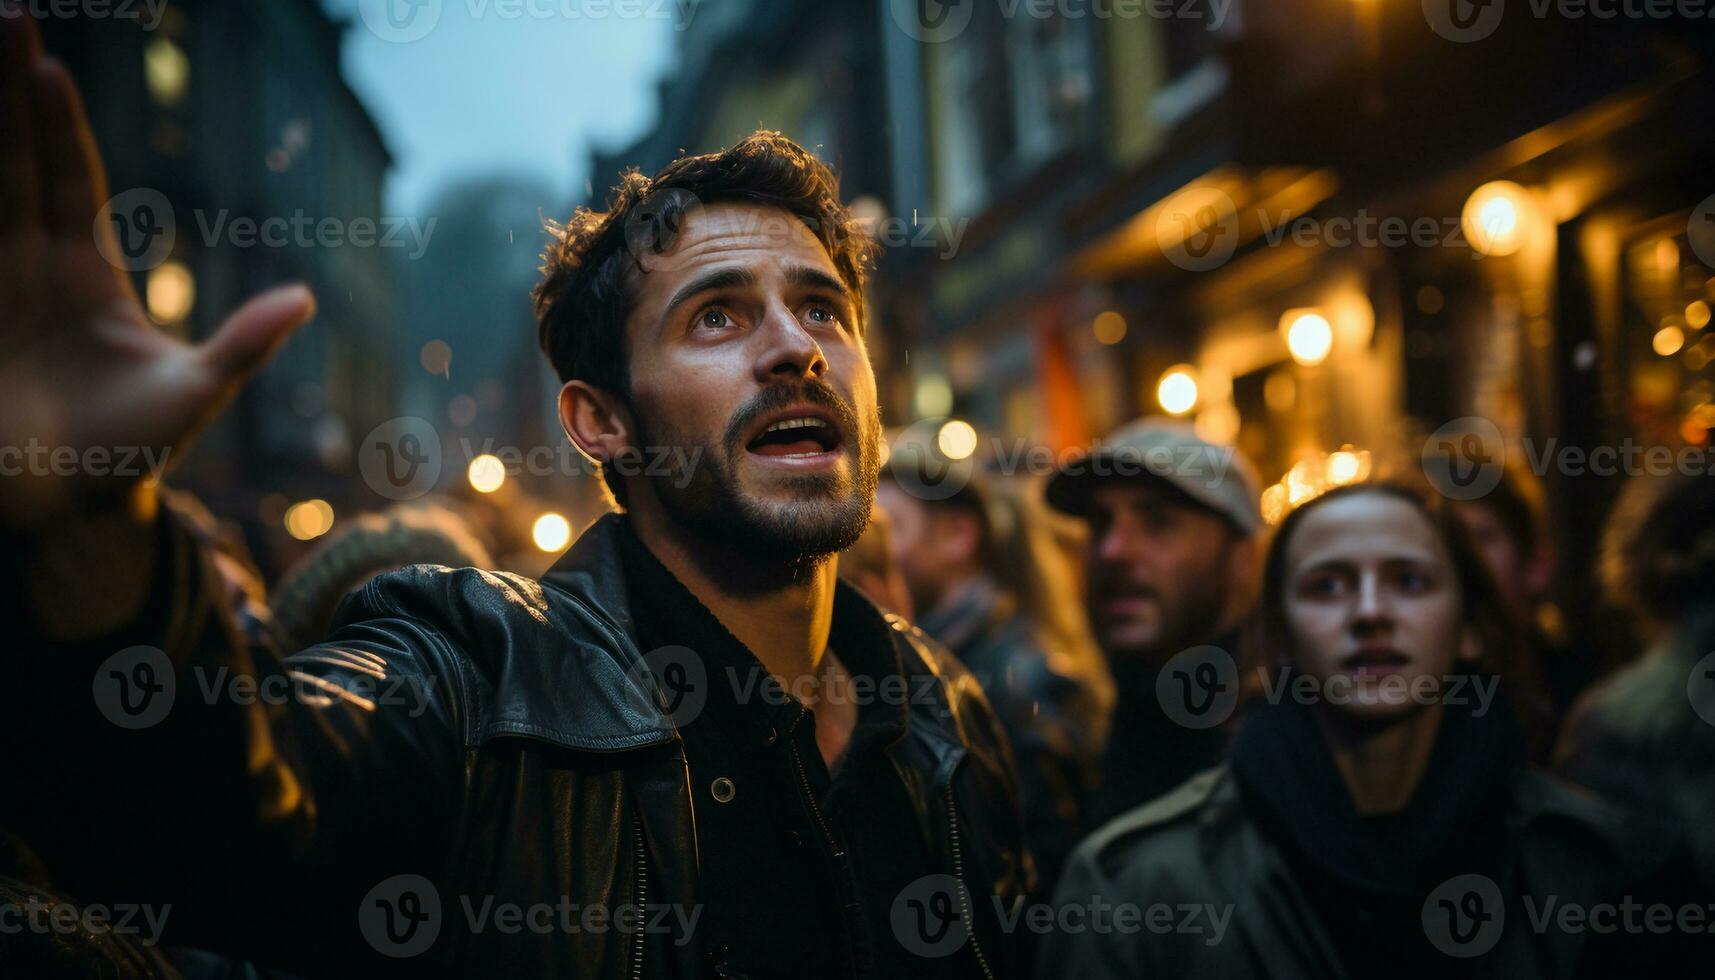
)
(1378, 816)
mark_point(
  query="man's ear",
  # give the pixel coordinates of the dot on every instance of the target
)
(598, 422)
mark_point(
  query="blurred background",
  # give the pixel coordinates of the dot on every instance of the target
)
(1317, 228)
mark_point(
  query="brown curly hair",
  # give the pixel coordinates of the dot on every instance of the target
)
(591, 266)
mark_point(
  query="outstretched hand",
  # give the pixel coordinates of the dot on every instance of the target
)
(85, 374)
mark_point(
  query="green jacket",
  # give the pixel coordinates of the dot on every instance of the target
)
(1207, 895)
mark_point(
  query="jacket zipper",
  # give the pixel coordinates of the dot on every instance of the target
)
(965, 913)
(815, 808)
(841, 870)
(642, 896)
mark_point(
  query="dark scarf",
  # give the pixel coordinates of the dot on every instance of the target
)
(1454, 824)
(1148, 753)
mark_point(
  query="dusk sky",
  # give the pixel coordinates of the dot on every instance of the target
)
(494, 89)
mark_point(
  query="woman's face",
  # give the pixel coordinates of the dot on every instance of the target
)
(1373, 606)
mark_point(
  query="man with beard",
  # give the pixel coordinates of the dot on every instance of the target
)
(686, 751)
(1173, 521)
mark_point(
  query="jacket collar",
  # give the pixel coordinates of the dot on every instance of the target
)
(620, 706)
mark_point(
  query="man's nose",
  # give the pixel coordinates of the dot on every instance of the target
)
(789, 352)
(1119, 544)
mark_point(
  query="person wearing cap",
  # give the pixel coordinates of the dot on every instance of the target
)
(1173, 522)
(957, 549)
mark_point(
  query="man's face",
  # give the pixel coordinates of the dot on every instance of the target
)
(745, 356)
(1373, 604)
(1160, 572)
(914, 544)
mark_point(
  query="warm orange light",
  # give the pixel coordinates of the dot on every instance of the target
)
(1668, 341)
(551, 532)
(1309, 336)
(309, 519)
(486, 473)
(1177, 391)
(1109, 328)
(1499, 217)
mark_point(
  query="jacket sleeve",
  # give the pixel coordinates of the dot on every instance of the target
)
(257, 796)
(1075, 947)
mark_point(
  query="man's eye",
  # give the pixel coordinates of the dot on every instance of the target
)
(714, 319)
(822, 314)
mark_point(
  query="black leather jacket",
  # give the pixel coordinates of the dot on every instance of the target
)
(463, 737)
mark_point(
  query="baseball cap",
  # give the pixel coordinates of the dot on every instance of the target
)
(1163, 451)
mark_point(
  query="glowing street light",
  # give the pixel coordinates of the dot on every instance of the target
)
(1497, 218)
(309, 519)
(956, 439)
(1309, 336)
(1177, 391)
(1109, 328)
(486, 473)
(1668, 341)
(551, 532)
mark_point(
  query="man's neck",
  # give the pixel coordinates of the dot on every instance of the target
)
(781, 615)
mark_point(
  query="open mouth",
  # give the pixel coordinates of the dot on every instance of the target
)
(796, 437)
(1377, 661)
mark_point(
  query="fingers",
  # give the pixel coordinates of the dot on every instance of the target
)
(244, 342)
(20, 49)
(72, 183)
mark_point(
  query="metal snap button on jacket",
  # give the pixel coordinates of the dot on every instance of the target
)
(723, 789)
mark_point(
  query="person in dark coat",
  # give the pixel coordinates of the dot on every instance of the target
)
(1646, 735)
(1378, 816)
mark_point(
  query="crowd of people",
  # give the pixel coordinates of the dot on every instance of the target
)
(787, 713)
